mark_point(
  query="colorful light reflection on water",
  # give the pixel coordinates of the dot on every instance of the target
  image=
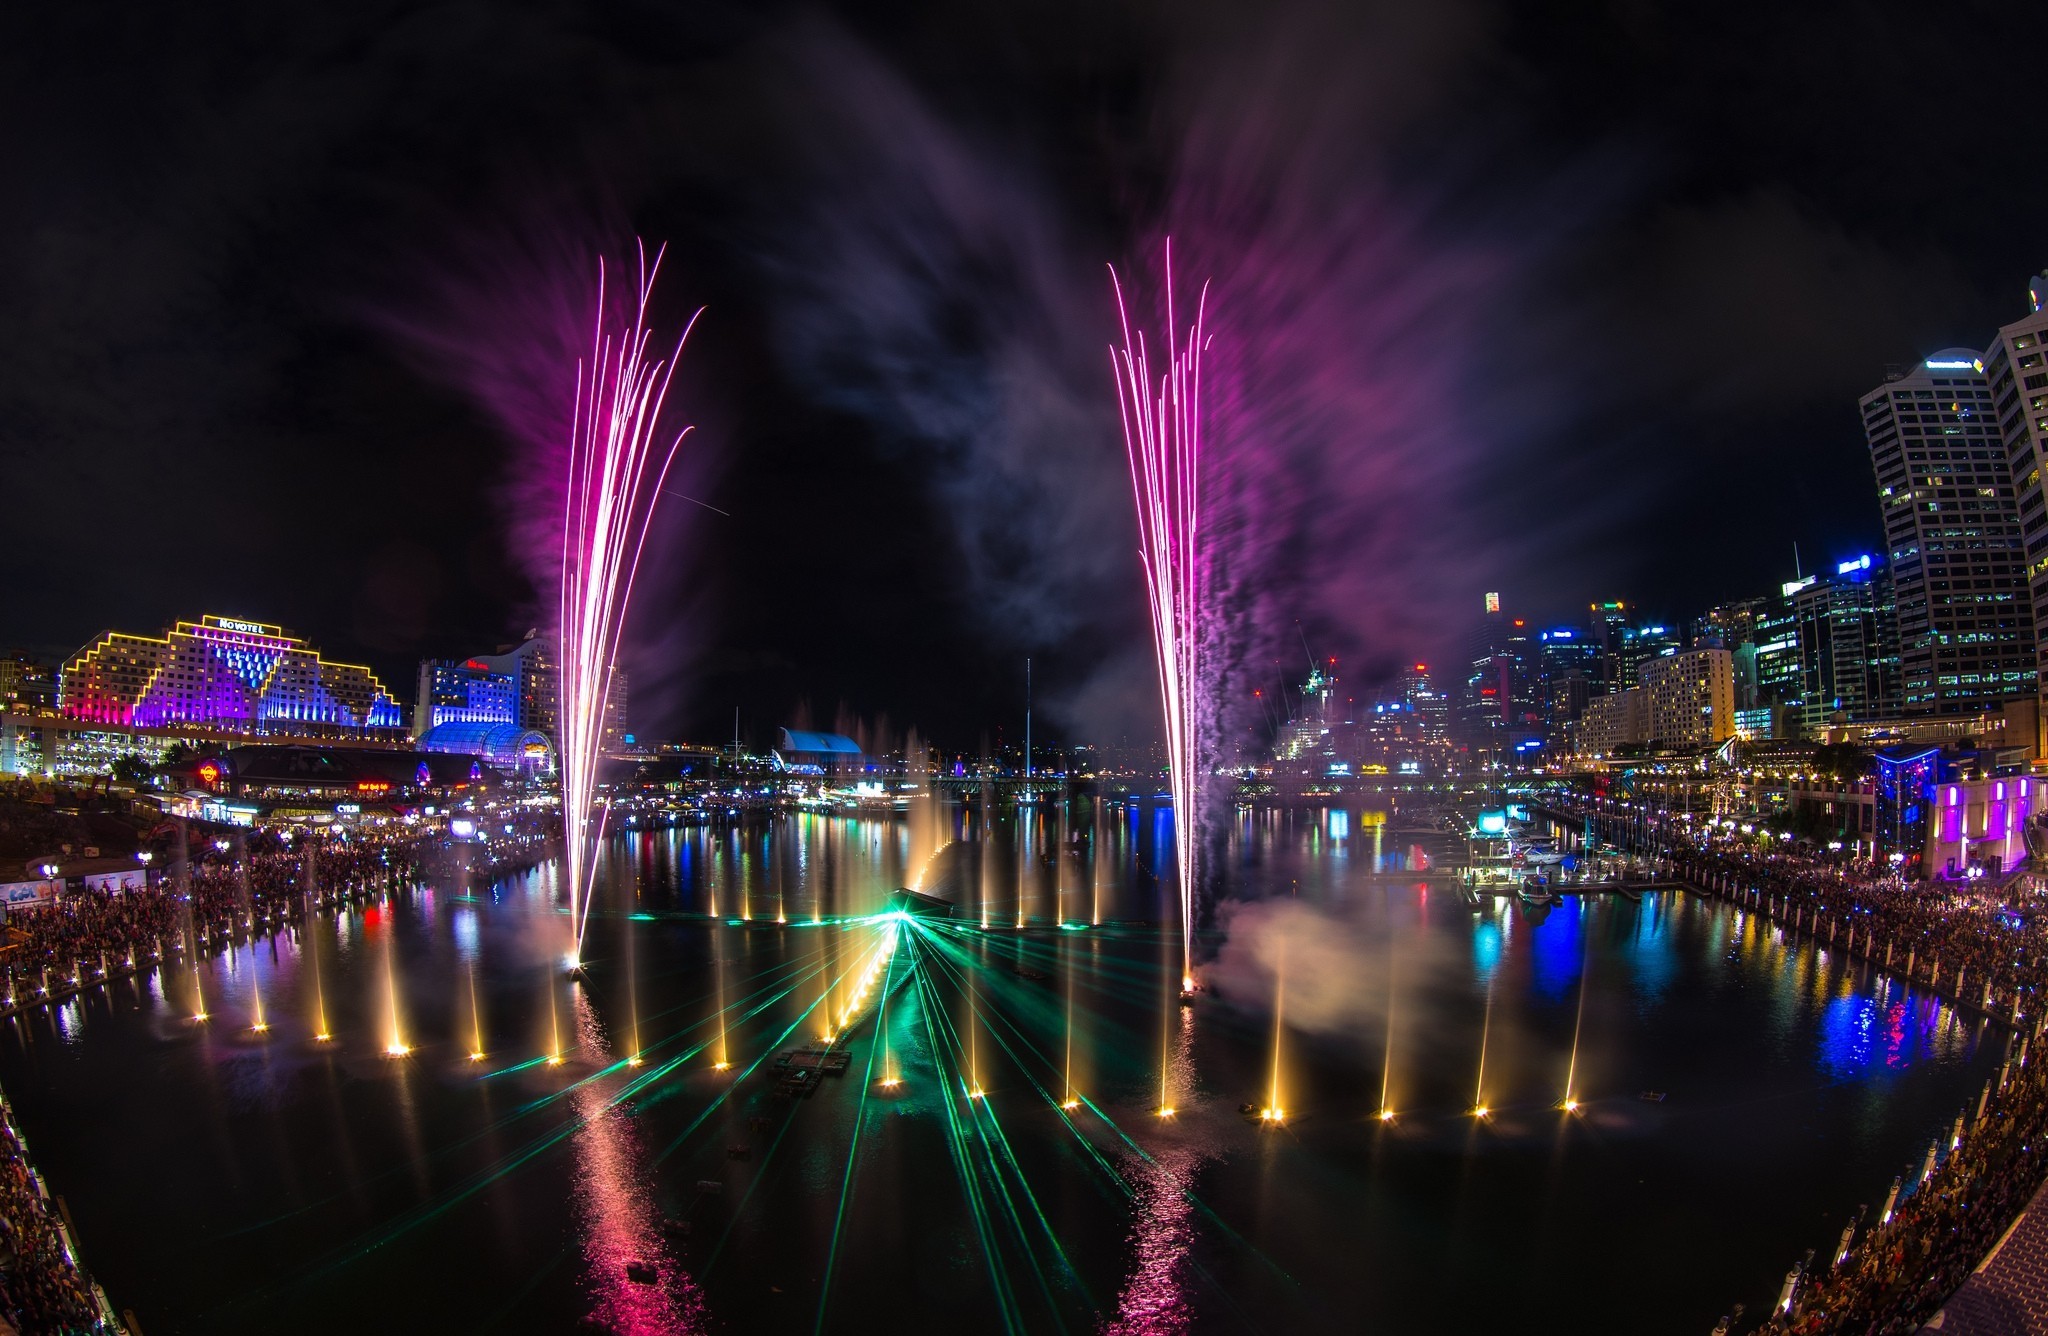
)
(549, 1196)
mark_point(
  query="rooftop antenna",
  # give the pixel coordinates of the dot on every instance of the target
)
(1797, 573)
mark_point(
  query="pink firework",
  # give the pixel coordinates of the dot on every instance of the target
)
(1162, 423)
(616, 467)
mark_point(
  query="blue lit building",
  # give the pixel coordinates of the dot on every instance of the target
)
(503, 746)
(463, 691)
(1905, 791)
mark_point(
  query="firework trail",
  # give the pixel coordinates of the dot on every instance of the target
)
(616, 467)
(1162, 424)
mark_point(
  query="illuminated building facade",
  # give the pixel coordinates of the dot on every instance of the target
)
(1733, 627)
(1567, 673)
(223, 673)
(1848, 643)
(528, 671)
(463, 691)
(2016, 369)
(27, 683)
(1905, 790)
(1952, 527)
(1981, 822)
(1689, 698)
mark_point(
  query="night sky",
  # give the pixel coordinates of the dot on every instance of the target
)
(1571, 301)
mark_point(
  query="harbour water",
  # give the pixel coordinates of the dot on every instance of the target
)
(1018, 1175)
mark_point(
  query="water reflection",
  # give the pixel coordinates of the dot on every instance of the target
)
(1030, 1067)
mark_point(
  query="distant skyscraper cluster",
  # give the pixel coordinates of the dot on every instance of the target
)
(1939, 625)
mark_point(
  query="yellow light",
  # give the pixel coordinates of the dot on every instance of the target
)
(396, 1050)
(891, 1082)
(1187, 983)
(323, 1036)
(476, 1057)
(1386, 1115)
(198, 1015)
(1166, 1111)
(259, 1027)
(720, 1066)
(1071, 1105)
(974, 1094)
(554, 1059)
(633, 1061)
(1481, 1112)
(1571, 1106)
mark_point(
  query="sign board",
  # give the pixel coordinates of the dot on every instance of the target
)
(135, 879)
(27, 894)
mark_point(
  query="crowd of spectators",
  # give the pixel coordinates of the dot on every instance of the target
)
(1987, 946)
(220, 891)
(1899, 1273)
(1958, 938)
(42, 1290)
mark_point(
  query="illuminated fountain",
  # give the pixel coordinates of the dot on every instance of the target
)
(476, 1019)
(615, 470)
(394, 1037)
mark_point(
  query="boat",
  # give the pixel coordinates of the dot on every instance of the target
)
(1536, 891)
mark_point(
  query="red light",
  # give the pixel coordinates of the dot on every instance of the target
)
(1421, 667)
(372, 786)
(209, 772)
(477, 665)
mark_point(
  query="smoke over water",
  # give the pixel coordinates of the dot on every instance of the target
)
(1336, 962)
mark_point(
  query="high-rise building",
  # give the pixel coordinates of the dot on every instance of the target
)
(1733, 627)
(1567, 671)
(222, 672)
(1952, 529)
(1689, 697)
(1609, 632)
(1780, 679)
(1848, 642)
(1430, 707)
(2016, 369)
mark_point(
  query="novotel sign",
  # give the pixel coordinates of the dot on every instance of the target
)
(253, 628)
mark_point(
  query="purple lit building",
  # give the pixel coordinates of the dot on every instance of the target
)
(227, 674)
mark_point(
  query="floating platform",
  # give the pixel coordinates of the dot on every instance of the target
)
(907, 901)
